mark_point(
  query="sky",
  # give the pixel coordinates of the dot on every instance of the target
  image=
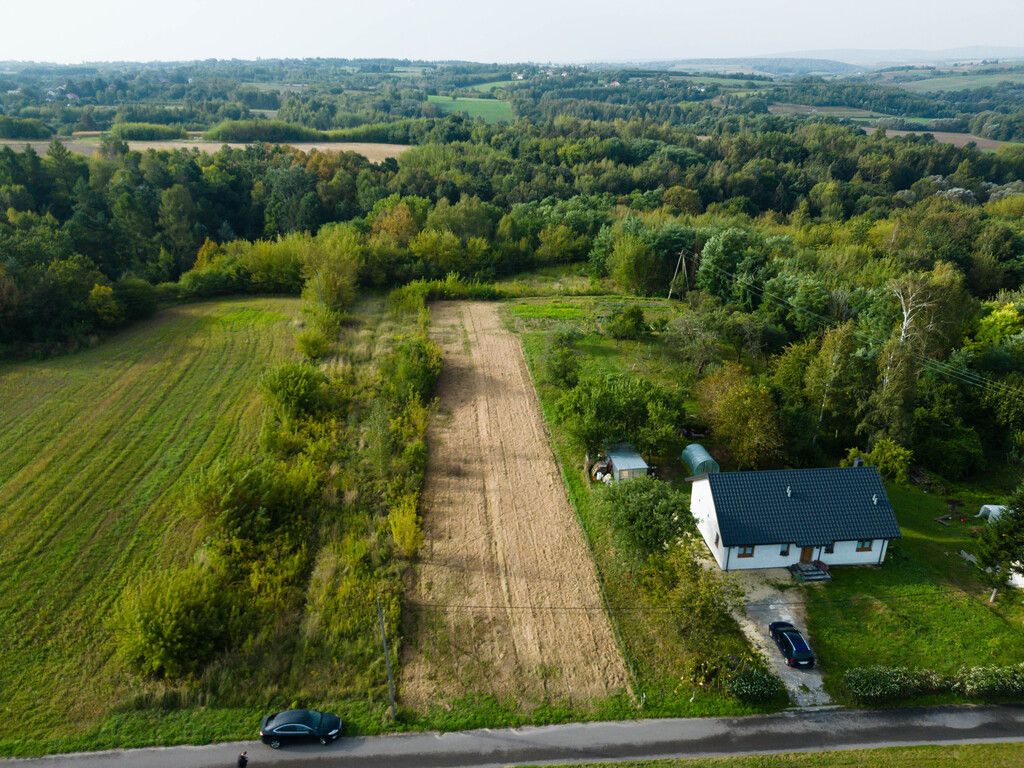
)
(70, 31)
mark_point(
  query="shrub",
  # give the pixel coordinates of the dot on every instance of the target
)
(627, 324)
(412, 369)
(878, 684)
(261, 130)
(175, 623)
(562, 363)
(254, 500)
(755, 684)
(147, 132)
(295, 390)
(136, 296)
(404, 523)
(651, 512)
(23, 128)
(991, 681)
(313, 343)
(891, 458)
(105, 306)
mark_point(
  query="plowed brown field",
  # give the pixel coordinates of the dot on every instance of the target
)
(505, 599)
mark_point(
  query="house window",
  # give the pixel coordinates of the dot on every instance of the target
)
(746, 551)
(864, 545)
(716, 538)
(784, 550)
(830, 549)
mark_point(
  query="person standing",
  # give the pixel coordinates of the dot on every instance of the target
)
(243, 759)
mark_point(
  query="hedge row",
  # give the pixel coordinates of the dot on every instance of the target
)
(879, 684)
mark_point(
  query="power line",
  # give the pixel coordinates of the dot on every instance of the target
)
(924, 596)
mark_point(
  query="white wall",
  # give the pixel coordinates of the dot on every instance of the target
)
(768, 555)
(702, 507)
(846, 553)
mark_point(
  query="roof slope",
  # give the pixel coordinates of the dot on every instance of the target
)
(824, 504)
(625, 456)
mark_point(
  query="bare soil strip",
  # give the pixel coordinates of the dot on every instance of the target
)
(505, 598)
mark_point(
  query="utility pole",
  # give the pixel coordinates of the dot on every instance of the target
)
(679, 263)
(387, 658)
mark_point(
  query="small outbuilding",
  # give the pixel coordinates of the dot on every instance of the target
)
(778, 518)
(625, 463)
(699, 460)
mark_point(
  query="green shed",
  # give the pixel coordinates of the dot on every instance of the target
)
(699, 460)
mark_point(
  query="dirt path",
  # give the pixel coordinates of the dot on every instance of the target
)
(505, 599)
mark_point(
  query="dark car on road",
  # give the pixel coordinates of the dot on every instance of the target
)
(793, 645)
(297, 725)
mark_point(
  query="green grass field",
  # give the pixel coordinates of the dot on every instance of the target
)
(491, 110)
(97, 451)
(956, 82)
(967, 756)
(926, 598)
(488, 87)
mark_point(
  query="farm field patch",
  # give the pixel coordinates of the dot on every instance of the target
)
(375, 153)
(785, 108)
(98, 451)
(956, 139)
(956, 82)
(504, 600)
(491, 110)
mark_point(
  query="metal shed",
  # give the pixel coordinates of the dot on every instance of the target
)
(626, 463)
(699, 460)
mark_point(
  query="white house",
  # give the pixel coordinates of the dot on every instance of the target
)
(774, 519)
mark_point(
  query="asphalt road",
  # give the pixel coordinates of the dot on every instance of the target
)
(807, 730)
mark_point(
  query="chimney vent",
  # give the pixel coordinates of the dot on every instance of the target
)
(874, 499)
(789, 491)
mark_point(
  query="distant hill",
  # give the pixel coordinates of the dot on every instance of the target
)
(864, 57)
(756, 65)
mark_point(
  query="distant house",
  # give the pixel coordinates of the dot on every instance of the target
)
(774, 519)
(625, 463)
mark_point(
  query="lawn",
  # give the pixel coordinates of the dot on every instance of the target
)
(962, 756)
(97, 451)
(490, 110)
(925, 607)
(659, 665)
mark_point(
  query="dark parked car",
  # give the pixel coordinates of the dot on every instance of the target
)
(794, 647)
(295, 725)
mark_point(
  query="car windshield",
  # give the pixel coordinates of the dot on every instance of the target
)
(798, 642)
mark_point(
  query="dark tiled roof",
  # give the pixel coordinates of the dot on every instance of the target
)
(824, 504)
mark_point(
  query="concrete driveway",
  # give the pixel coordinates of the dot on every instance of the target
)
(766, 601)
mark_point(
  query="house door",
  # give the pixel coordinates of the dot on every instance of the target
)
(806, 553)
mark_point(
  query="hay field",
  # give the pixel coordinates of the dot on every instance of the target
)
(97, 452)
